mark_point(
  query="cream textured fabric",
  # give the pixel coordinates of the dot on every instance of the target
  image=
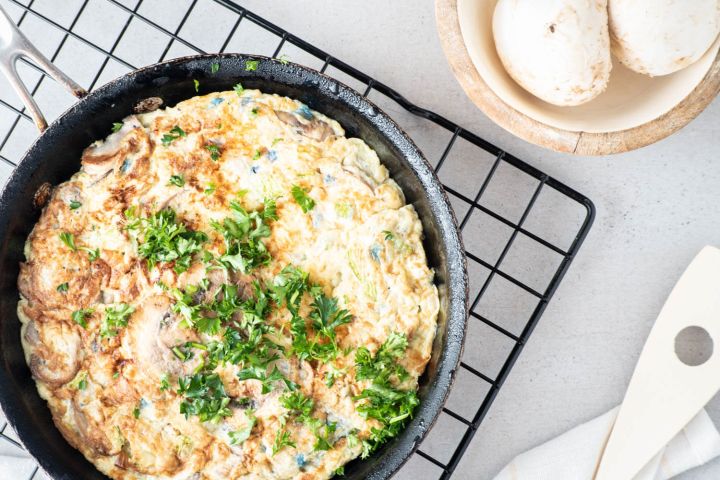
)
(574, 454)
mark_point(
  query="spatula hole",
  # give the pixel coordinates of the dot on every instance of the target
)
(693, 346)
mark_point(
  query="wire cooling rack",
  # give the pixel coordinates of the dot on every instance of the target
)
(521, 227)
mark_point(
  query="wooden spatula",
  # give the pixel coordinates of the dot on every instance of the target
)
(665, 393)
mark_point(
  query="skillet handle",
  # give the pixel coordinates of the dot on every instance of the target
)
(13, 46)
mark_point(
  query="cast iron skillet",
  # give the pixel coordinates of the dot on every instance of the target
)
(55, 156)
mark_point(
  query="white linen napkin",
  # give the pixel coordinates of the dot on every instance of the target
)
(574, 454)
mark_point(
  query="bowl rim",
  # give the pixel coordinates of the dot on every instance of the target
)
(558, 139)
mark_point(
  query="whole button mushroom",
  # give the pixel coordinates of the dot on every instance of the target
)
(659, 37)
(558, 50)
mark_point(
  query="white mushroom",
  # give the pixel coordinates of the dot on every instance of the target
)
(55, 351)
(558, 50)
(659, 37)
(126, 150)
(154, 332)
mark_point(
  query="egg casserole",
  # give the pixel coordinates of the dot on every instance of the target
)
(228, 289)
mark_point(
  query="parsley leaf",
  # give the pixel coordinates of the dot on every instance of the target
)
(197, 85)
(243, 234)
(239, 89)
(214, 68)
(333, 373)
(381, 400)
(74, 205)
(162, 238)
(251, 65)
(69, 240)
(177, 180)
(115, 318)
(239, 436)
(93, 253)
(388, 235)
(259, 373)
(383, 365)
(210, 188)
(164, 382)
(214, 151)
(282, 440)
(175, 133)
(116, 127)
(62, 288)
(284, 59)
(302, 198)
(326, 316)
(79, 316)
(288, 287)
(205, 397)
(298, 404)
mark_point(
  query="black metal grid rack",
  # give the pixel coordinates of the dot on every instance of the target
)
(522, 228)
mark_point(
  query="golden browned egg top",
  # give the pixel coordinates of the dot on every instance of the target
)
(229, 288)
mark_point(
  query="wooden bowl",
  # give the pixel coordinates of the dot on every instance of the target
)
(634, 111)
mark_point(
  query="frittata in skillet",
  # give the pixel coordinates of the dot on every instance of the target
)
(228, 289)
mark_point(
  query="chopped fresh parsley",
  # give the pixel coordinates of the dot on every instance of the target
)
(298, 404)
(162, 238)
(260, 374)
(205, 397)
(116, 127)
(115, 317)
(251, 65)
(383, 366)
(243, 233)
(388, 235)
(80, 316)
(284, 59)
(175, 133)
(136, 412)
(287, 290)
(82, 384)
(93, 253)
(257, 154)
(197, 85)
(177, 180)
(282, 440)
(276, 141)
(333, 373)
(239, 436)
(239, 89)
(214, 151)
(210, 189)
(382, 400)
(69, 240)
(302, 198)
(74, 205)
(254, 111)
(62, 288)
(164, 382)
(323, 433)
(214, 68)
(325, 317)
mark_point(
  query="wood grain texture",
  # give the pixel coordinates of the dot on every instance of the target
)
(576, 142)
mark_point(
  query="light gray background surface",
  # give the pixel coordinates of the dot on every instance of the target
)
(656, 208)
